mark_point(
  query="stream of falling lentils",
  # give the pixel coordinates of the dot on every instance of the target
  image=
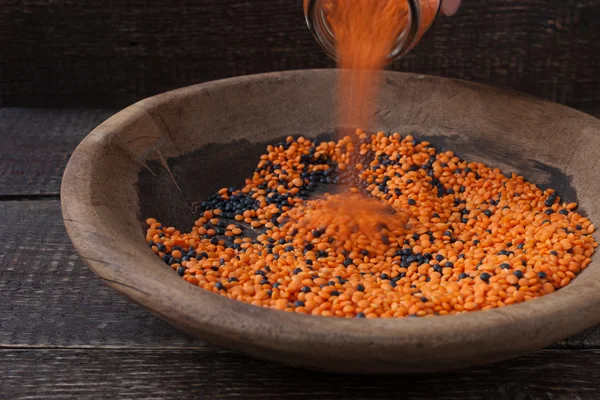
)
(416, 232)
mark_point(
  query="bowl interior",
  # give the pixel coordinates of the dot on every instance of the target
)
(161, 157)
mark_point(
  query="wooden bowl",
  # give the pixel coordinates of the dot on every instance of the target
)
(163, 155)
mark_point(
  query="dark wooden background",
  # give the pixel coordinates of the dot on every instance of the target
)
(91, 53)
(65, 335)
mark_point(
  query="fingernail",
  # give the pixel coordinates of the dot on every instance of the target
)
(450, 7)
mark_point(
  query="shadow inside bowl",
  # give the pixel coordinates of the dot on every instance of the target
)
(171, 193)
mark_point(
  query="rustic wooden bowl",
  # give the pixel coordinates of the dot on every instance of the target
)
(163, 155)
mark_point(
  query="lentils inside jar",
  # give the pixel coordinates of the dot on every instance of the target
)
(415, 232)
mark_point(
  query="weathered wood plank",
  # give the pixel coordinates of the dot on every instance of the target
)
(72, 53)
(209, 374)
(48, 297)
(36, 145)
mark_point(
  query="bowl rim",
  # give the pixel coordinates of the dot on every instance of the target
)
(199, 312)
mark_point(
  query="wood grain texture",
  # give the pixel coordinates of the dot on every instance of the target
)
(36, 145)
(72, 53)
(193, 374)
(50, 298)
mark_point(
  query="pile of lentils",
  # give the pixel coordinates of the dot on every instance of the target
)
(407, 231)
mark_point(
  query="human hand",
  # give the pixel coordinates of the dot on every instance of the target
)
(450, 7)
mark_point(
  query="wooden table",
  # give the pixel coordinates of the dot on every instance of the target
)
(65, 335)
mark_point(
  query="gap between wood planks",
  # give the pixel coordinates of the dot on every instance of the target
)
(29, 197)
(198, 347)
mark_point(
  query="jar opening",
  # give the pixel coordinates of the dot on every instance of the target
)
(318, 24)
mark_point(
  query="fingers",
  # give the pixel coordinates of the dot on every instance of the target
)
(450, 7)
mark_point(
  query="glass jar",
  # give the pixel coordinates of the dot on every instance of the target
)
(421, 15)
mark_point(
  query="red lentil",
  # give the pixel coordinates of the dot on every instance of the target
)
(417, 233)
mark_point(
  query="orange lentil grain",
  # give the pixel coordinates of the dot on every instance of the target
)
(435, 235)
